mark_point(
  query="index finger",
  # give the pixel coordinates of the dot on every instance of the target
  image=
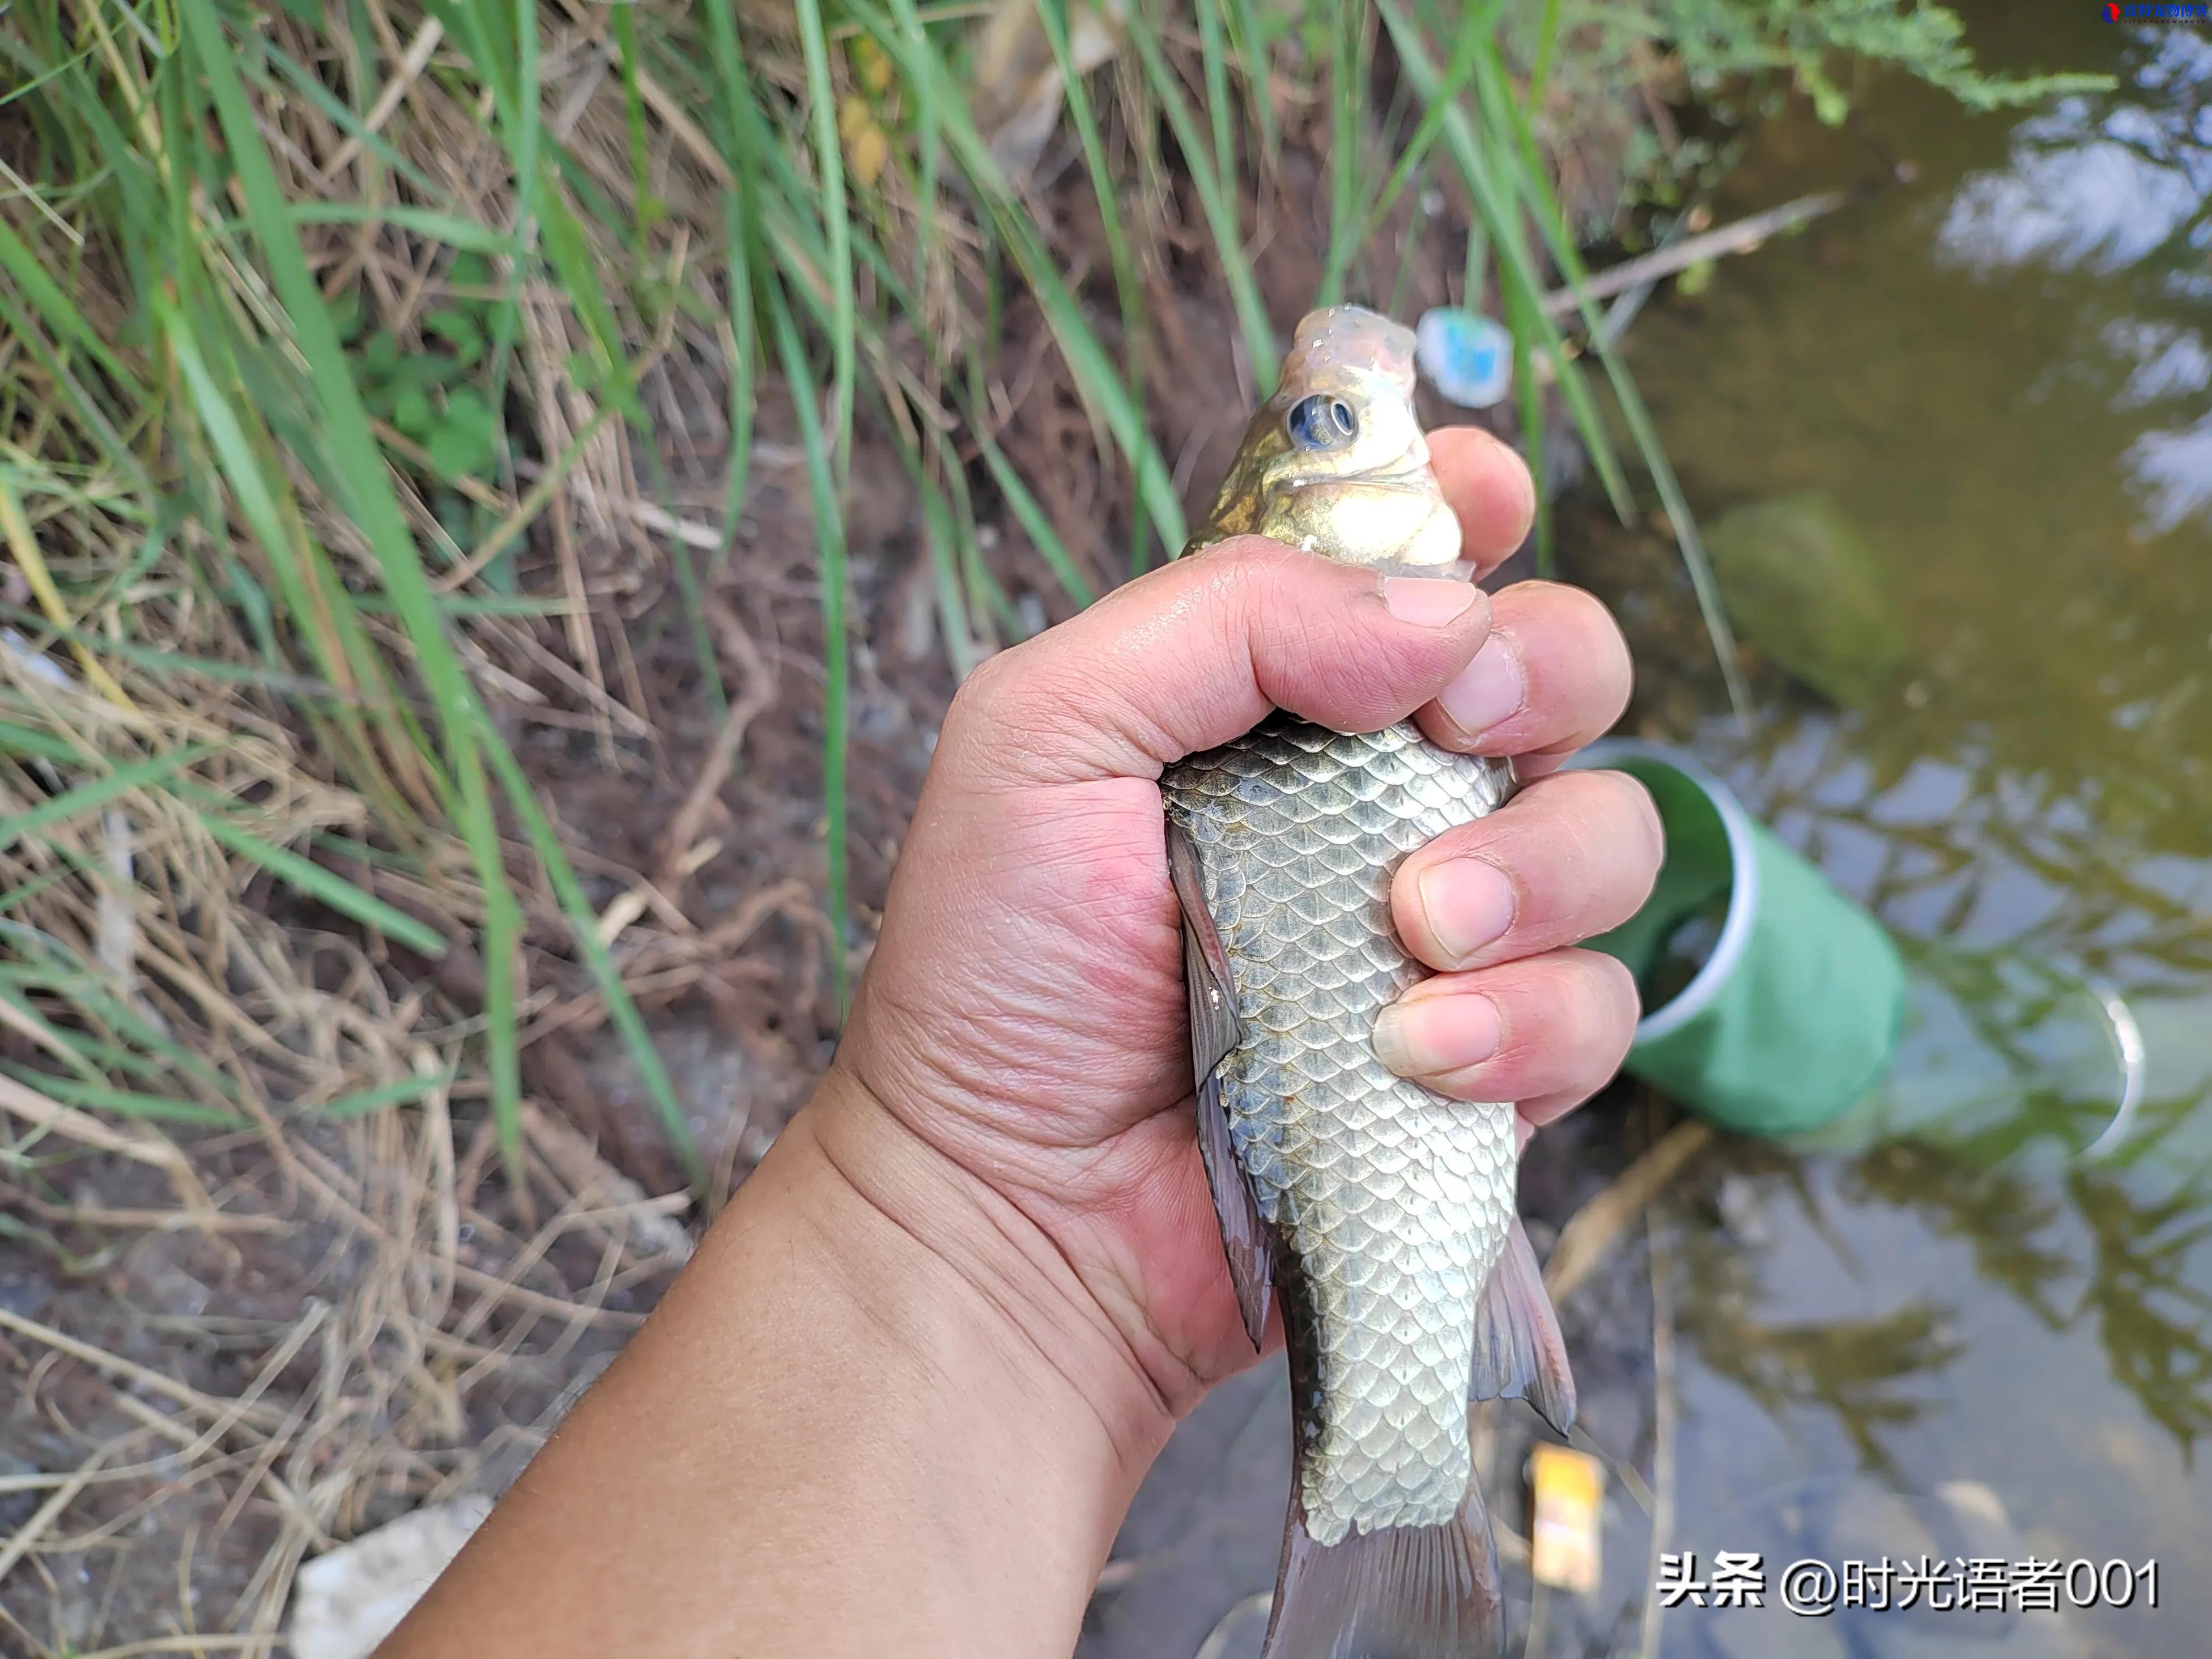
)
(1488, 486)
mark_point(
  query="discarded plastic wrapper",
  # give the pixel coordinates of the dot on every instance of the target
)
(1563, 1540)
(1466, 356)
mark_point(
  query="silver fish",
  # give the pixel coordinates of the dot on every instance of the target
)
(1381, 1213)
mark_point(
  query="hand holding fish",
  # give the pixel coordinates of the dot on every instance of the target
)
(901, 1397)
(1023, 1014)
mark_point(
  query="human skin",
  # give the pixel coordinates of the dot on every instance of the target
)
(901, 1397)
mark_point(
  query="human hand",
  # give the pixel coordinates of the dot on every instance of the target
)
(905, 1389)
(1023, 1018)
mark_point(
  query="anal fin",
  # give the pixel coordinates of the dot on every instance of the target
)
(1519, 1354)
(1402, 1593)
(1215, 1032)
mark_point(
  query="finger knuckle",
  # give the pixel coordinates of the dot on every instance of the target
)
(988, 687)
(1569, 1011)
(1599, 647)
(1585, 610)
(1249, 570)
(1636, 816)
(1610, 1003)
(1010, 701)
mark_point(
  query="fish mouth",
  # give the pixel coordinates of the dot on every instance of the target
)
(1404, 483)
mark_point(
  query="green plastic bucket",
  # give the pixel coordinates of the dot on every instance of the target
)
(1772, 1001)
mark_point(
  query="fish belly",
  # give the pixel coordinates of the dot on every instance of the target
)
(1389, 1203)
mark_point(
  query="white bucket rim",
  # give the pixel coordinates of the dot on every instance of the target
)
(1694, 997)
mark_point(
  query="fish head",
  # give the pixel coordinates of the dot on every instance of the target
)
(1335, 463)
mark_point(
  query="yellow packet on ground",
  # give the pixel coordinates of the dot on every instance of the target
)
(1563, 1543)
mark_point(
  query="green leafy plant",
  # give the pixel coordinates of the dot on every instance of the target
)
(435, 397)
(1818, 45)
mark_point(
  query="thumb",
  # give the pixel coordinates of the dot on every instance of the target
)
(1199, 652)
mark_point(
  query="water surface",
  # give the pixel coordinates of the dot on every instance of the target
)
(2000, 373)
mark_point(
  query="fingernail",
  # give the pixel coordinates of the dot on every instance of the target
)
(1431, 601)
(1488, 690)
(1436, 1034)
(1466, 903)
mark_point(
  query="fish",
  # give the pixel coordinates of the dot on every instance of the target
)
(1379, 1215)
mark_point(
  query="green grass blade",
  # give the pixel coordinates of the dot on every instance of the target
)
(829, 546)
(99, 423)
(397, 1093)
(23, 740)
(571, 259)
(1475, 23)
(1096, 382)
(1501, 216)
(127, 1102)
(928, 143)
(324, 886)
(1552, 224)
(1216, 198)
(69, 1050)
(1053, 14)
(1547, 41)
(941, 535)
(48, 297)
(448, 227)
(643, 208)
(47, 965)
(583, 923)
(354, 456)
(367, 487)
(745, 329)
(1249, 44)
(98, 792)
(1214, 54)
(502, 943)
(1345, 100)
(1032, 518)
(262, 56)
(830, 169)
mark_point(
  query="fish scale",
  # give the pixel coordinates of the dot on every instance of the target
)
(1377, 1215)
(1389, 1201)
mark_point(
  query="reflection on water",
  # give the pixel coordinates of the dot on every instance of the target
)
(2121, 187)
(2000, 374)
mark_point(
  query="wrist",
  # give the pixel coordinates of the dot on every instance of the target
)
(921, 1238)
(873, 1417)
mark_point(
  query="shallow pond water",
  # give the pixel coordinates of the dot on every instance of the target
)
(1999, 373)
(1965, 1342)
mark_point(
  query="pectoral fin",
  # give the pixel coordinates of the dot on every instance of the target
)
(1215, 1032)
(1519, 1354)
(1214, 1028)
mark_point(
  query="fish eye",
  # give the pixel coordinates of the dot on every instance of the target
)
(1320, 422)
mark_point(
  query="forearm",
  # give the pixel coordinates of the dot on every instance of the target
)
(837, 1436)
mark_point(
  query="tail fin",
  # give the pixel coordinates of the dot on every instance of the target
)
(1406, 1593)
